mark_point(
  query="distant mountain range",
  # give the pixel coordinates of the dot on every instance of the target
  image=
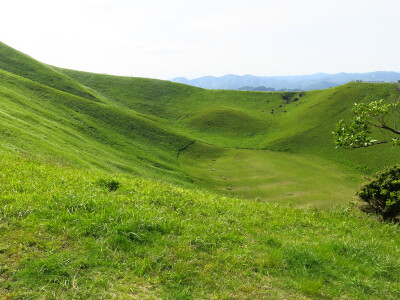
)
(282, 83)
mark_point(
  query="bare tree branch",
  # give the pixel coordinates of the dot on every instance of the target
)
(384, 126)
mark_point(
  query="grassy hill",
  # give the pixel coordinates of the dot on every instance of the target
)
(297, 127)
(143, 126)
(20, 64)
(300, 125)
(66, 235)
(119, 187)
(55, 125)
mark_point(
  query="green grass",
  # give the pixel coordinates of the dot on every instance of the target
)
(20, 64)
(72, 130)
(271, 176)
(301, 126)
(118, 187)
(225, 122)
(65, 235)
(140, 126)
(300, 129)
(308, 130)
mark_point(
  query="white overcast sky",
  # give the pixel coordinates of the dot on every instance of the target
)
(166, 39)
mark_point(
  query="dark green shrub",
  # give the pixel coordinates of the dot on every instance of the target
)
(382, 193)
(109, 183)
(287, 96)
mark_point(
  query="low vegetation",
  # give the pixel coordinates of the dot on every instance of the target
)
(382, 193)
(115, 187)
(64, 235)
(270, 176)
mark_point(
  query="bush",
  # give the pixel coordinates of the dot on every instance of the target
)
(287, 96)
(110, 184)
(382, 193)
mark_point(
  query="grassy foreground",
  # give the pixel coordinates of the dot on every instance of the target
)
(65, 235)
(84, 213)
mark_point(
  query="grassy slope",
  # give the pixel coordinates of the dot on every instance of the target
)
(65, 236)
(300, 130)
(20, 64)
(74, 130)
(271, 176)
(190, 109)
(302, 126)
(140, 125)
(308, 130)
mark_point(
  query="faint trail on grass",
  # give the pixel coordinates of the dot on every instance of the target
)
(184, 148)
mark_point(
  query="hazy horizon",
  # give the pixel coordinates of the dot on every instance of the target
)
(164, 40)
(311, 74)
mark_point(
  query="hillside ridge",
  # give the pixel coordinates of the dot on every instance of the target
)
(146, 127)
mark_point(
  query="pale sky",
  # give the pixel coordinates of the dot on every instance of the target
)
(166, 39)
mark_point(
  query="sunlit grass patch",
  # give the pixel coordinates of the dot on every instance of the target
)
(66, 235)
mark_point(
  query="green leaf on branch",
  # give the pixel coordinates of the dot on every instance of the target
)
(356, 133)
